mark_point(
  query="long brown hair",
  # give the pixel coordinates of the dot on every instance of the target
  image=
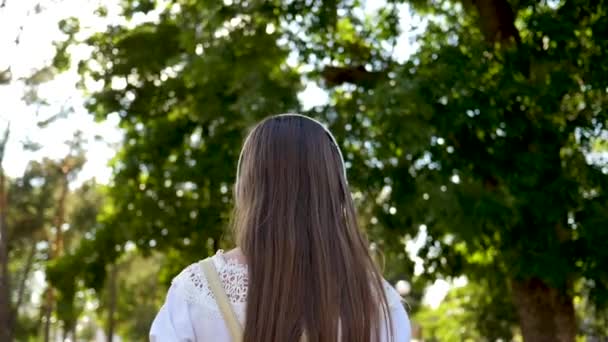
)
(310, 270)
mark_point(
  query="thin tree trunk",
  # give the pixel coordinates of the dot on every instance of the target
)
(56, 249)
(6, 326)
(54, 333)
(5, 305)
(60, 214)
(47, 314)
(23, 280)
(65, 333)
(216, 245)
(74, 330)
(545, 313)
(112, 301)
(41, 316)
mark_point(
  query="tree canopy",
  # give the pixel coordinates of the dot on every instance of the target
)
(490, 136)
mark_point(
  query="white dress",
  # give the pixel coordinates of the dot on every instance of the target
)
(190, 313)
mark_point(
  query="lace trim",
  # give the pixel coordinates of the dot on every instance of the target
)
(192, 285)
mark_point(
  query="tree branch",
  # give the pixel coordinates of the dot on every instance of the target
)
(335, 76)
(497, 21)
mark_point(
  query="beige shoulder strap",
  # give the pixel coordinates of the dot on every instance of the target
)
(215, 284)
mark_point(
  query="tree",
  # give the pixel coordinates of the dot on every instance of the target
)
(485, 136)
(30, 85)
(182, 134)
(511, 124)
(30, 217)
(83, 205)
(42, 219)
(140, 295)
(470, 313)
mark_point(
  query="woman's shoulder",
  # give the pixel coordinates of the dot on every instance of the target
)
(393, 297)
(191, 283)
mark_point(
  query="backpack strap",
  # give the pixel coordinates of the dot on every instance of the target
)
(215, 284)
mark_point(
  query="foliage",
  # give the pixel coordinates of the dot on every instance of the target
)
(593, 319)
(31, 218)
(45, 219)
(484, 136)
(140, 295)
(474, 312)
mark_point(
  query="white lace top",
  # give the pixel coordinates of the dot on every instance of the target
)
(191, 314)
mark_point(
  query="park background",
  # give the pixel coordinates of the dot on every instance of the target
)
(474, 134)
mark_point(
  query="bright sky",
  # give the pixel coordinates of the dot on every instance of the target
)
(36, 50)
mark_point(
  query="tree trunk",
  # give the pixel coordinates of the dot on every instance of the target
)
(545, 313)
(69, 333)
(24, 276)
(74, 331)
(6, 327)
(47, 314)
(56, 250)
(59, 219)
(496, 20)
(112, 301)
(5, 305)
